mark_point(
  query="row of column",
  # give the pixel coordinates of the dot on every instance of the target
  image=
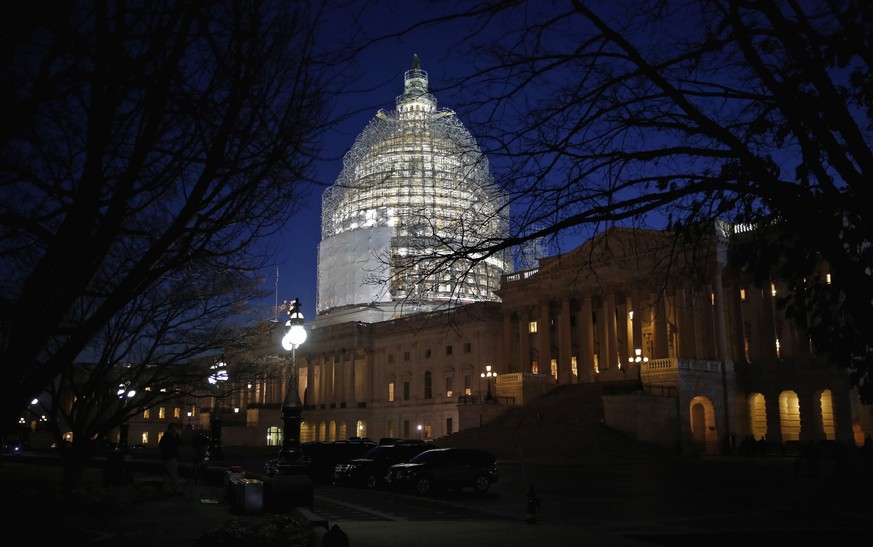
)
(598, 330)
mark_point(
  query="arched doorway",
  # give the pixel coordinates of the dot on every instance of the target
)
(758, 417)
(274, 436)
(703, 430)
(789, 416)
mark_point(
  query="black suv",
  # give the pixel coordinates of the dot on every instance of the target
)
(369, 469)
(445, 468)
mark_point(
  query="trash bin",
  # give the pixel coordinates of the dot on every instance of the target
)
(232, 475)
(248, 496)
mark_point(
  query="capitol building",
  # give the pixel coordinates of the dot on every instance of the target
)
(405, 329)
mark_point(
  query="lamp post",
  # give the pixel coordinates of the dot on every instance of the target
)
(637, 357)
(419, 432)
(290, 457)
(488, 374)
(219, 375)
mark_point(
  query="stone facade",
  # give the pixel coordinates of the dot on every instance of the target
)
(712, 360)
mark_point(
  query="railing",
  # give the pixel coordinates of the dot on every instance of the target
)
(524, 378)
(518, 276)
(668, 364)
(484, 400)
(661, 391)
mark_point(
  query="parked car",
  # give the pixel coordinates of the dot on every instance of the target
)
(368, 470)
(322, 456)
(396, 440)
(445, 468)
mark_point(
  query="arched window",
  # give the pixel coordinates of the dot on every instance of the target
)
(274, 436)
(789, 416)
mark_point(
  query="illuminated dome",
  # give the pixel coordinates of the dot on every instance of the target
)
(413, 186)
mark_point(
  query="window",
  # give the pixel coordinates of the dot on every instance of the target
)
(390, 392)
(574, 366)
(468, 347)
(535, 367)
(406, 429)
(405, 391)
(468, 384)
(406, 356)
(146, 414)
(427, 353)
(448, 350)
(743, 295)
(274, 436)
(428, 385)
(390, 357)
(162, 413)
(532, 327)
(554, 367)
(449, 390)
(177, 413)
(449, 425)
(145, 438)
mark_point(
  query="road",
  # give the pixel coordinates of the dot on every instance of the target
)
(667, 502)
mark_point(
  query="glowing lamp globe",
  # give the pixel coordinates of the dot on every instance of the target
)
(295, 336)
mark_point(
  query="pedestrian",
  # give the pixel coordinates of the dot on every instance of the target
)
(169, 445)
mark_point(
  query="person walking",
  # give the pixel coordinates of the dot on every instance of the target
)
(169, 445)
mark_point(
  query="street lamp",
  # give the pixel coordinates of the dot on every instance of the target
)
(488, 374)
(290, 457)
(219, 375)
(419, 432)
(638, 356)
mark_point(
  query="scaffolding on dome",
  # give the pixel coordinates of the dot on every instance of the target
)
(414, 190)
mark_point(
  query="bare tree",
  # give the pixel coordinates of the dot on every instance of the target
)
(142, 143)
(162, 348)
(678, 115)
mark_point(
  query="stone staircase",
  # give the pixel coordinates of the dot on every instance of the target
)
(563, 426)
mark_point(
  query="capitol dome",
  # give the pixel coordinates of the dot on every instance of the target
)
(413, 187)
